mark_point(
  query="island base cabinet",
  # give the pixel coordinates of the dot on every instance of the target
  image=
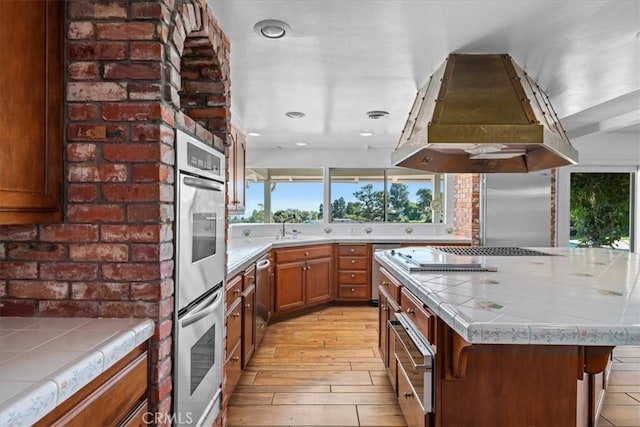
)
(411, 409)
(506, 385)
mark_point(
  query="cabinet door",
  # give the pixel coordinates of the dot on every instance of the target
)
(318, 280)
(383, 330)
(289, 287)
(31, 110)
(248, 324)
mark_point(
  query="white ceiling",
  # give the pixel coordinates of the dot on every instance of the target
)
(344, 58)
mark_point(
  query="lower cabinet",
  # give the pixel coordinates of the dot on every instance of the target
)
(117, 397)
(303, 278)
(248, 324)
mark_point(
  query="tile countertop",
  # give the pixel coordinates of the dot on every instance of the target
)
(242, 252)
(582, 296)
(43, 361)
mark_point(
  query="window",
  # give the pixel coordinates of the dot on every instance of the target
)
(391, 195)
(276, 194)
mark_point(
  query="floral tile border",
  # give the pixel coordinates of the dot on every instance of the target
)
(40, 400)
(80, 373)
(116, 348)
(553, 334)
(508, 333)
(601, 335)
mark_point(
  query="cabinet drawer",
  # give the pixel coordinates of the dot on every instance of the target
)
(233, 291)
(352, 263)
(138, 416)
(421, 317)
(411, 409)
(249, 277)
(303, 253)
(352, 250)
(353, 277)
(353, 292)
(232, 373)
(391, 285)
(234, 326)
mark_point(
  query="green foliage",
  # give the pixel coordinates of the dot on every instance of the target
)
(600, 207)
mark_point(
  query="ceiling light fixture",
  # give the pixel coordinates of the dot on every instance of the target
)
(253, 133)
(377, 114)
(295, 114)
(271, 28)
(366, 133)
(301, 144)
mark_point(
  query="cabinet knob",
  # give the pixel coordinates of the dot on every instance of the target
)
(304, 268)
(247, 305)
(237, 291)
(353, 261)
(236, 315)
(252, 278)
(383, 307)
(385, 283)
(352, 250)
(235, 358)
(410, 311)
(353, 275)
(407, 394)
(353, 290)
(306, 253)
(308, 267)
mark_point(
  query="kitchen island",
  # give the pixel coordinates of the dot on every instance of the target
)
(527, 344)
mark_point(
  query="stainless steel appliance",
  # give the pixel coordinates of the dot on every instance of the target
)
(515, 209)
(419, 258)
(200, 251)
(263, 297)
(417, 359)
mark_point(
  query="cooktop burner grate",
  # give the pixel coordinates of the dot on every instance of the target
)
(490, 251)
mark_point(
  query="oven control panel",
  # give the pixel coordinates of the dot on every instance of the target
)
(197, 158)
(203, 160)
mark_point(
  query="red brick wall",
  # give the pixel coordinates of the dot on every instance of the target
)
(466, 206)
(134, 69)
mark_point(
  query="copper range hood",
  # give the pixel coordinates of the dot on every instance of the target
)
(482, 113)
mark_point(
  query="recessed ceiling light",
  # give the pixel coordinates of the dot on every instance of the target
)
(377, 114)
(366, 133)
(271, 28)
(253, 133)
(301, 144)
(295, 114)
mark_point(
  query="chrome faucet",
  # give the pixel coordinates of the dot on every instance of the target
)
(284, 222)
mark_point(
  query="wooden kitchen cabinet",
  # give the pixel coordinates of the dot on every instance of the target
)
(303, 277)
(237, 171)
(118, 396)
(31, 111)
(354, 272)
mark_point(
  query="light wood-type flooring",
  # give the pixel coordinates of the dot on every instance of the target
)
(324, 369)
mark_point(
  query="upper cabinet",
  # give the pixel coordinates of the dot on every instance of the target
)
(236, 184)
(31, 115)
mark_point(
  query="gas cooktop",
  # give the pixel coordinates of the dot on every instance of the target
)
(490, 251)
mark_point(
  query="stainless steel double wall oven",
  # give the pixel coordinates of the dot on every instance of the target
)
(199, 295)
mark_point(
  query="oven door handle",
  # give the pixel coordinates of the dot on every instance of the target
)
(202, 183)
(209, 306)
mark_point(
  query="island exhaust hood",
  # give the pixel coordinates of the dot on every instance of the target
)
(482, 113)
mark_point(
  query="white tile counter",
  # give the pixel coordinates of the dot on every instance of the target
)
(579, 297)
(43, 361)
(242, 252)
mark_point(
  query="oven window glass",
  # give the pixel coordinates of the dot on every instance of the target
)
(202, 357)
(204, 236)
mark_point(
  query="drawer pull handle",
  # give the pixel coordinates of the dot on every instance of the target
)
(353, 276)
(235, 358)
(410, 311)
(236, 291)
(236, 315)
(385, 283)
(252, 278)
(407, 394)
(247, 305)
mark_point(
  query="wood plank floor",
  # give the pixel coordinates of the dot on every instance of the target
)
(324, 369)
(320, 369)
